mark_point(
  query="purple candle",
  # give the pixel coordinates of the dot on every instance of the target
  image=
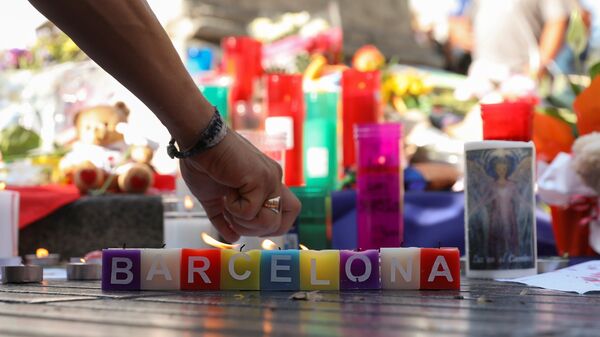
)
(359, 270)
(379, 185)
(121, 269)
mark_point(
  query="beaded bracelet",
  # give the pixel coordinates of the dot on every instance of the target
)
(212, 135)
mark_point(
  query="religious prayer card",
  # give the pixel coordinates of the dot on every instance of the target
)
(582, 278)
(499, 209)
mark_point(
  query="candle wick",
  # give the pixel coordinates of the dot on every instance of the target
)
(279, 248)
(163, 245)
(242, 247)
(124, 245)
(401, 243)
(439, 244)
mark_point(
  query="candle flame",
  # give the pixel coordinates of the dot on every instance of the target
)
(303, 247)
(209, 240)
(268, 245)
(41, 252)
(188, 203)
(2, 185)
(82, 260)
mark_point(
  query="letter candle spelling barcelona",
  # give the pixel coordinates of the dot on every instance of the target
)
(287, 270)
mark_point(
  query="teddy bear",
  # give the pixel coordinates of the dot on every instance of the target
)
(100, 159)
(586, 159)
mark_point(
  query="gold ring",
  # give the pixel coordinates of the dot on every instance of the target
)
(273, 204)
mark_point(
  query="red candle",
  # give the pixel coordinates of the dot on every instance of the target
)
(200, 269)
(242, 61)
(360, 104)
(440, 268)
(510, 120)
(285, 111)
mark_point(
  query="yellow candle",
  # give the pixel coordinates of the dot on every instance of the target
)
(320, 270)
(240, 270)
(400, 268)
(160, 269)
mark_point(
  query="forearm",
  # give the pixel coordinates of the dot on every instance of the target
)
(551, 41)
(125, 38)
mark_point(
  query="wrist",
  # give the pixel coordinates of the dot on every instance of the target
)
(210, 136)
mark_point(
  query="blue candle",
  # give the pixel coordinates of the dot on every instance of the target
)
(280, 270)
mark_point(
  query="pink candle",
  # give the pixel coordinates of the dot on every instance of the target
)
(379, 185)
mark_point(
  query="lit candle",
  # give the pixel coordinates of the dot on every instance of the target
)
(240, 270)
(160, 269)
(320, 270)
(200, 269)
(22, 274)
(280, 270)
(83, 271)
(42, 258)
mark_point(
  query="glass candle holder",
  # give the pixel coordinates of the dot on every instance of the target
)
(314, 221)
(242, 61)
(510, 120)
(320, 140)
(379, 185)
(285, 111)
(217, 95)
(361, 104)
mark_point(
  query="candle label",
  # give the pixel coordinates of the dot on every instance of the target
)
(317, 162)
(499, 213)
(277, 125)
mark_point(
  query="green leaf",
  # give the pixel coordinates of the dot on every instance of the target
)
(577, 35)
(594, 70)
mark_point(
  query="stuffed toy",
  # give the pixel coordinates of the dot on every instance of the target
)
(586, 159)
(100, 159)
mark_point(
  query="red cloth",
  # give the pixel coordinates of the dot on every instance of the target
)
(37, 202)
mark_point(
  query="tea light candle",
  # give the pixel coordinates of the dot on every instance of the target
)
(22, 274)
(42, 258)
(83, 271)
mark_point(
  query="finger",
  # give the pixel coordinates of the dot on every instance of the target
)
(215, 212)
(290, 208)
(245, 203)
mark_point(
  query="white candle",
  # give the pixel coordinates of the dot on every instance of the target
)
(183, 229)
(9, 223)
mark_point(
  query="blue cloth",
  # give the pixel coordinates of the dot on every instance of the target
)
(430, 219)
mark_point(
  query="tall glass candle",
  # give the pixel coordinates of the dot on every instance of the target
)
(285, 111)
(320, 140)
(379, 185)
(314, 221)
(361, 103)
(217, 95)
(500, 231)
(242, 61)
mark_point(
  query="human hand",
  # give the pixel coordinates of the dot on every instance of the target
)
(232, 181)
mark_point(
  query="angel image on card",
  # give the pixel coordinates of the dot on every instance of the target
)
(500, 208)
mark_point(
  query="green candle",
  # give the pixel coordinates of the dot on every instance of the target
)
(314, 221)
(217, 96)
(320, 140)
